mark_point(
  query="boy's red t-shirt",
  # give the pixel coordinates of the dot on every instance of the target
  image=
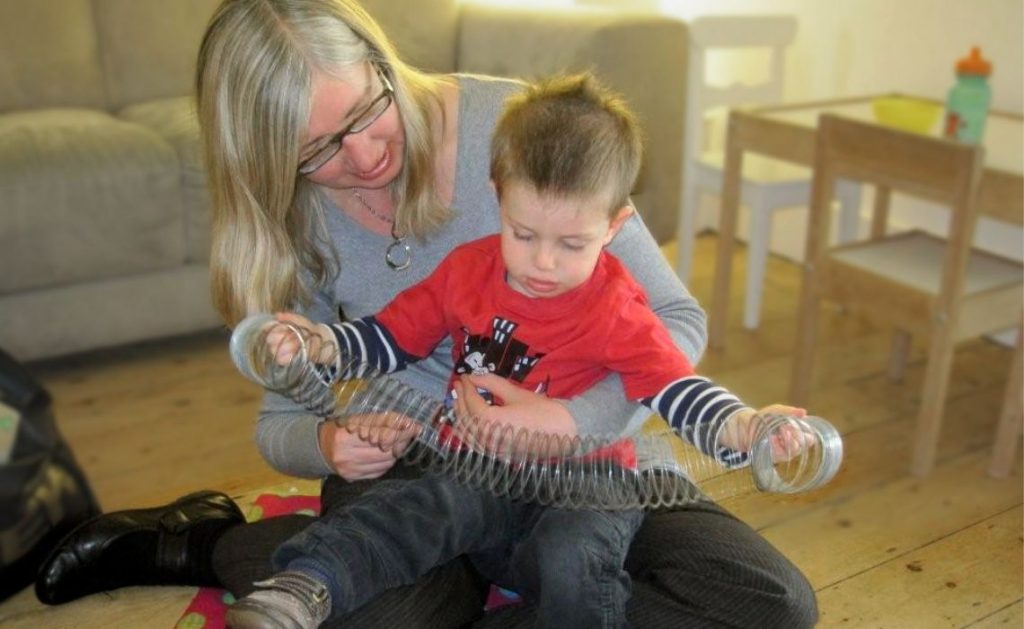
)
(560, 346)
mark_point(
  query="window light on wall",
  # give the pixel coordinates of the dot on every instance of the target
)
(534, 4)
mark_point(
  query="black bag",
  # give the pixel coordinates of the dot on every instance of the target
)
(43, 492)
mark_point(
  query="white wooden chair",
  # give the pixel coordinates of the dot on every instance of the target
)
(913, 281)
(767, 184)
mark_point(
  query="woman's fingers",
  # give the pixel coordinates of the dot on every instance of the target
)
(353, 458)
(389, 433)
(362, 470)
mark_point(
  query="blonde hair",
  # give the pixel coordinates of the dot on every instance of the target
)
(568, 136)
(253, 85)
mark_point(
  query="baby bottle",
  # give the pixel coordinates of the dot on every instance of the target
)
(968, 100)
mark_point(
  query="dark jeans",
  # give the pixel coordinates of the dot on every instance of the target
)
(695, 566)
(567, 562)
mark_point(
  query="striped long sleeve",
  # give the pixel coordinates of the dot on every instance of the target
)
(698, 408)
(365, 345)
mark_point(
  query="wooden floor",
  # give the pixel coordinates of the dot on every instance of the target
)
(882, 549)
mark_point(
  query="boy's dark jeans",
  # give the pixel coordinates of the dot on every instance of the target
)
(568, 562)
(692, 566)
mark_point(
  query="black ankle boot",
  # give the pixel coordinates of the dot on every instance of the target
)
(168, 545)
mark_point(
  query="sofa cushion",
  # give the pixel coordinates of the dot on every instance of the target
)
(149, 47)
(174, 120)
(146, 58)
(48, 55)
(85, 196)
(424, 31)
(85, 315)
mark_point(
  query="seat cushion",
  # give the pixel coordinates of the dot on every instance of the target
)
(174, 120)
(85, 197)
(915, 259)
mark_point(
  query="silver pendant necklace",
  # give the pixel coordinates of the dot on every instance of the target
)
(398, 255)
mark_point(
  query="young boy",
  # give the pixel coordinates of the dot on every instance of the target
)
(541, 304)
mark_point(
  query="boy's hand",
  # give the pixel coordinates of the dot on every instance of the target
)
(741, 429)
(518, 408)
(316, 339)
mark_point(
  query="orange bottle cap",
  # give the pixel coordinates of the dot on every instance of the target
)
(974, 64)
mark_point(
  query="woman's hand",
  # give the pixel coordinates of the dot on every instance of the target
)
(354, 457)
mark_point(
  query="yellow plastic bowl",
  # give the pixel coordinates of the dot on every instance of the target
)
(908, 114)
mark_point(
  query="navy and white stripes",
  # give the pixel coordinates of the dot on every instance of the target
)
(693, 405)
(698, 408)
(365, 344)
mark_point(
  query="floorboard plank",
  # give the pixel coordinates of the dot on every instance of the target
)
(1011, 616)
(846, 538)
(951, 582)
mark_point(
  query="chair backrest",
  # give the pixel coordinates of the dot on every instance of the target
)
(772, 33)
(937, 169)
(929, 167)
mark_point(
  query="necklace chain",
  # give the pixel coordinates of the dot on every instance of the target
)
(398, 255)
(369, 208)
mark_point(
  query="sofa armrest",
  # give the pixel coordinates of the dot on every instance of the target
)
(643, 56)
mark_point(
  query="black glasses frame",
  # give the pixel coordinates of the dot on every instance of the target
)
(366, 117)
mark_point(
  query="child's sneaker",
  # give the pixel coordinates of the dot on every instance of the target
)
(287, 600)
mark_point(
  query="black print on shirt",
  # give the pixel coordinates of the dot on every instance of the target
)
(500, 353)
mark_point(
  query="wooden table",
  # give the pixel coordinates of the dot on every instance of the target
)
(788, 133)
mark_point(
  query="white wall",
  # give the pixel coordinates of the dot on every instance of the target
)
(859, 47)
(853, 47)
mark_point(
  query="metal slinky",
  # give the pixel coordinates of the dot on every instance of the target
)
(648, 470)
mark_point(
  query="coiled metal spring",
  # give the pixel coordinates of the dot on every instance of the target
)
(648, 470)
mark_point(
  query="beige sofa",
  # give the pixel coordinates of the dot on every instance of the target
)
(103, 211)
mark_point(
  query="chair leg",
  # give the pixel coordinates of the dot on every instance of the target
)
(848, 194)
(880, 212)
(933, 399)
(1011, 419)
(732, 190)
(806, 332)
(686, 232)
(757, 261)
(898, 354)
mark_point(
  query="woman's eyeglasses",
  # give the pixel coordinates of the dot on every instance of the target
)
(362, 121)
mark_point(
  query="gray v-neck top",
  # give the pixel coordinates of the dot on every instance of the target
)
(287, 434)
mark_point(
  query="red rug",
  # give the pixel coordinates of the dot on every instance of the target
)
(209, 606)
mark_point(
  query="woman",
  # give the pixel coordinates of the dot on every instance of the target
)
(338, 177)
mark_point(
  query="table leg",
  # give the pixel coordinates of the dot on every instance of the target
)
(730, 199)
